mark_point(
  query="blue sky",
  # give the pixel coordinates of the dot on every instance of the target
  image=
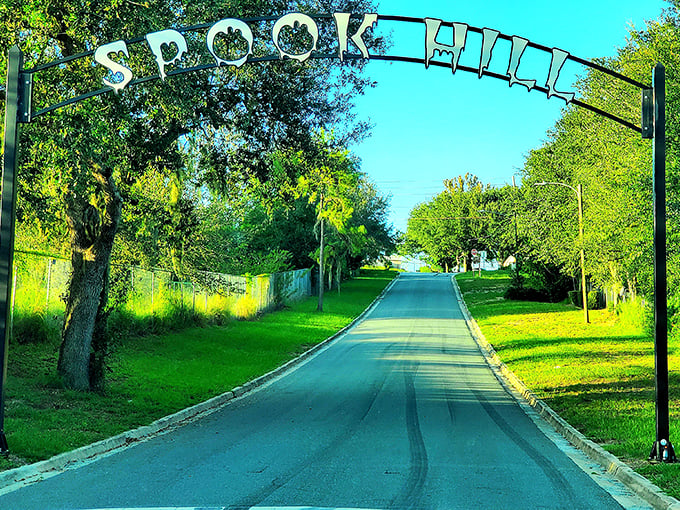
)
(430, 125)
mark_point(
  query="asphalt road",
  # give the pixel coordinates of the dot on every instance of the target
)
(400, 413)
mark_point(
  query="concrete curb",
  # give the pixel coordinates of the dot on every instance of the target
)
(638, 484)
(13, 479)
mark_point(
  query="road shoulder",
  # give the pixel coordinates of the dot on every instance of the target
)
(569, 438)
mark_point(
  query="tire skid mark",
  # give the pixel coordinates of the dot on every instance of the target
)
(411, 493)
(448, 394)
(283, 479)
(554, 475)
(558, 480)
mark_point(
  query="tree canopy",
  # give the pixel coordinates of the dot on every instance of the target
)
(138, 164)
(611, 163)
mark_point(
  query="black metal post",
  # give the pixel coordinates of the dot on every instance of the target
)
(662, 449)
(7, 212)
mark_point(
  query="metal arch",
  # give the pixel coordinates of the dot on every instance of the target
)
(390, 58)
(405, 19)
(536, 46)
(18, 110)
(316, 55)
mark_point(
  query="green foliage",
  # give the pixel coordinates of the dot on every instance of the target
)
(35, 329)
(613, 165)
(328, 178)
(525, 294)
(145, 385)
(549, 280)
(633, 314)
(449, 226)
(595, 300)
(155, 147)
(539, 226)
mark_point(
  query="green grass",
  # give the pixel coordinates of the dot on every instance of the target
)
(598, 376)
(157, 375)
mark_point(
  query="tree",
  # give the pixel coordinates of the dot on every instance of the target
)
(371, 211)
(449, 226)
(86, 158)
(329, 174)
(613, 165)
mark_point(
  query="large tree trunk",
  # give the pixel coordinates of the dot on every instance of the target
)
(84, 338)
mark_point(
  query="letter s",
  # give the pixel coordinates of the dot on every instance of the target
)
(101, 56)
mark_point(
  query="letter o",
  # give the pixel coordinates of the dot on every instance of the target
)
(223, 27)
(291, 20)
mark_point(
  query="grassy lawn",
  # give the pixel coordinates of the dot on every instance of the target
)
(598, 376)
(154, 376)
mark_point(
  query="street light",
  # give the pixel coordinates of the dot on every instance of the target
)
(579, 196)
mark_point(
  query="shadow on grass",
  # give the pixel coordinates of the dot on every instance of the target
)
(639, 388)
(533, 343)
(481, 309)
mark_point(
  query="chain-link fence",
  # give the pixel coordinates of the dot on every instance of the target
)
(40, 287)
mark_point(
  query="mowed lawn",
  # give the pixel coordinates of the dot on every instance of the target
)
(153, 376)
(599, 377)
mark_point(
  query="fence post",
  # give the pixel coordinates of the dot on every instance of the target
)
(47, 292)
(152, 288)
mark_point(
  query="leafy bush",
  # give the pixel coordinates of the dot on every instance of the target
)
(595, 300)
(525, 294)
(34, 329)
(549, 280)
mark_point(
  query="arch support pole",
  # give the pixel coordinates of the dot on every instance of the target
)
(17, 109)
(662, 450)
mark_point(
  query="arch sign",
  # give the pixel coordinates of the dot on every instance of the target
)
(235, 42)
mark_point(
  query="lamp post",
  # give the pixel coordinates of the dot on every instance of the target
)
(579, 196)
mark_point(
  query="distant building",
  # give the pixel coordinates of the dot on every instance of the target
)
(408, 264)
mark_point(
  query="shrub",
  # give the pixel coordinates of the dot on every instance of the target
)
(34, 329)
(595, 300)
(525, 294)
(576, 299)
(549, 280)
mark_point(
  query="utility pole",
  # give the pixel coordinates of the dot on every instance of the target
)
(579, 197)
(319, 306)
(584, 290)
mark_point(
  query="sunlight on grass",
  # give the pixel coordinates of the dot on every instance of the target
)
(153, 376)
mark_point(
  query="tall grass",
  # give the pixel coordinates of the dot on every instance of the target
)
(140, 302)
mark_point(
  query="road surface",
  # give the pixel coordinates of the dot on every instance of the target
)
(401, 413)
